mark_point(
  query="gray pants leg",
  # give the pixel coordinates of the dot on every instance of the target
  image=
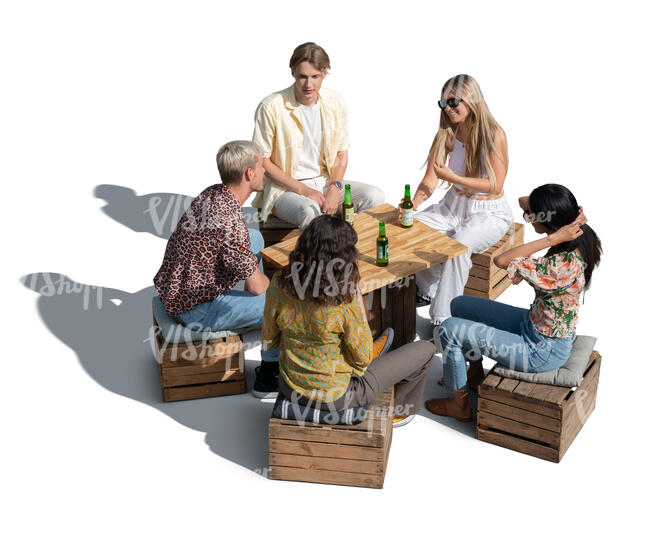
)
(405, 368)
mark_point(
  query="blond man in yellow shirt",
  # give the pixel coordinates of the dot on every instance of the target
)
(303, 134)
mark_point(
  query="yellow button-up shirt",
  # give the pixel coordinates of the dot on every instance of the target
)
(279, 133)
(320, 346)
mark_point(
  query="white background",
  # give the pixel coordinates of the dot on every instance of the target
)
(140, 96)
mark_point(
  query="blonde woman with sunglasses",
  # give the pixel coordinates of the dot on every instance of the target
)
(470, 155)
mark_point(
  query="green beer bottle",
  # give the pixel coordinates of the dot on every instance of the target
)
(382, 246)
(348, 206)
(407, 208)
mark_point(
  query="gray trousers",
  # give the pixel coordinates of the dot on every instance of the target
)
(405, 368)
(299, 210)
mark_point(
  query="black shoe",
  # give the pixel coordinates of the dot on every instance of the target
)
(266, 380)
(421, 299)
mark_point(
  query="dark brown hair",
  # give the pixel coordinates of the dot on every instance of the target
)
(323, 266)
(561, 208)
(312, 53)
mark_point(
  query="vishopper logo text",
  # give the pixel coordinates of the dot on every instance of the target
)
(91, 294)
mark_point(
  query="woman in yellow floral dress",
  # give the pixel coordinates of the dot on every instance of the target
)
(536, 339)
(315, 315)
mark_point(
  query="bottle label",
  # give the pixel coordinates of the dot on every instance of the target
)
(382, 252)
(348, 215)
(407, 217)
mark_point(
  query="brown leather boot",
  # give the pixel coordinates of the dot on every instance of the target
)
(475, 374)
(454, 407)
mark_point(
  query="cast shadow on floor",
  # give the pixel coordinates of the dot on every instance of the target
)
(110, 332)
(155, 213)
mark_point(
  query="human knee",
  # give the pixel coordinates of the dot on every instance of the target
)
(375, 196)
(449, 331)
(425, 353)
(306, 213)
(460, 305)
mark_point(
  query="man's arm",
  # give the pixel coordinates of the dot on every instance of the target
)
(257, 283)
(264, 137)
(289, 183)
(337, 172)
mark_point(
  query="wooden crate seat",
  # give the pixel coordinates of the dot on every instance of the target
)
(485, 279)
(536, 419)
(354, 455)
(197, 368)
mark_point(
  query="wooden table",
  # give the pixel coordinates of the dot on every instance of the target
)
(410, 251)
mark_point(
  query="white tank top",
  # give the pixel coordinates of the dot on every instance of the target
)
(457, 163)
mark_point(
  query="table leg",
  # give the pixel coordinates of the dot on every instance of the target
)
(393, 305)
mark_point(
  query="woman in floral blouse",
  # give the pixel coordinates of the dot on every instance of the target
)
(314, 314)
(536, 339)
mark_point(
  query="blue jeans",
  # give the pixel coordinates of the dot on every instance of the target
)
(481, 327)
(233, 309)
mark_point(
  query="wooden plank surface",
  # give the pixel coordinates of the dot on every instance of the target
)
(323, 449)
(351, 479)
(551, 394)
(518, 444)
(204, 390)
(411, 249)
(490, 421)
(581, 404)
(197, 353)
(514, 399)
(326, 463)
(519, 414)
(202, 377)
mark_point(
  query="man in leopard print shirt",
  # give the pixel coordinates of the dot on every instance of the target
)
(211, 250)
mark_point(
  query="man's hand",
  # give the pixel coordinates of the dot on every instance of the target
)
(331, 204)
(315, 195)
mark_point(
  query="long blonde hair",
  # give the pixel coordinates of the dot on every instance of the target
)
(482, 130)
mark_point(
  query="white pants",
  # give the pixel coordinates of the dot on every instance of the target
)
(299, 210)
(477, 224)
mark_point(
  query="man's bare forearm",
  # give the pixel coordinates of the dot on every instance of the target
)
(285, 181)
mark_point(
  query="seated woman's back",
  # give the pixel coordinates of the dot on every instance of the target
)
(314, 316)
(323, 344)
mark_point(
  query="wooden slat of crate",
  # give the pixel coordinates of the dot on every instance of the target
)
(518, 444)
(524, 416)
(319, 449)
(486, 280)
(169, 378)
(580, 405)
(487, 420)
(338, 454)
(487, 391)
(515, 235)
(205, 353)
(515, 421)
(218, 368)
(199, 391)
(485, 284)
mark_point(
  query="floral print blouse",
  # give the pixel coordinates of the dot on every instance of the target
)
(558, 281)
(320, 346)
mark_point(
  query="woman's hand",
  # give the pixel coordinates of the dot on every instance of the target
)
(444, 172)
(415, 203)
(524, 203)
(571, 231)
